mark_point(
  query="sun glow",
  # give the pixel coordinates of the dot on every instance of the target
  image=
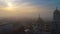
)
(9, 4)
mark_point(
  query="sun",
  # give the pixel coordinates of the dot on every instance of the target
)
(9, 4)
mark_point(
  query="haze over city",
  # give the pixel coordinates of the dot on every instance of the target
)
(28, 8)
(29, 16)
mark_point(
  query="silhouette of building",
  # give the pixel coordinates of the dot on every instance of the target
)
(38, 26)
(56, 15)
(56, 22)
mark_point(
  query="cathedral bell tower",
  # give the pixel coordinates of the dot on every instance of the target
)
(56, 22)
(56, 15)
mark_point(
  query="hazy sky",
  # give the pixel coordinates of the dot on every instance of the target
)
(28, 8)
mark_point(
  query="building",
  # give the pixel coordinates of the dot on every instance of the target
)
(38, 26)
(56, 22)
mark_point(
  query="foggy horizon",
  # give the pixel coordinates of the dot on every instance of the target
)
(28, 8)
(29, 16)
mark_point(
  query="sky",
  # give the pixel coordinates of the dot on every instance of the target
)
(28, 8)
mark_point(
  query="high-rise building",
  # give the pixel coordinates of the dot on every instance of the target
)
(56, 22)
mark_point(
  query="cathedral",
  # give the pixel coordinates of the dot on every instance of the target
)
(56, 22)
(38, 26)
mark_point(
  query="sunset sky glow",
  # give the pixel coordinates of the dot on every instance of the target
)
(28, 8)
